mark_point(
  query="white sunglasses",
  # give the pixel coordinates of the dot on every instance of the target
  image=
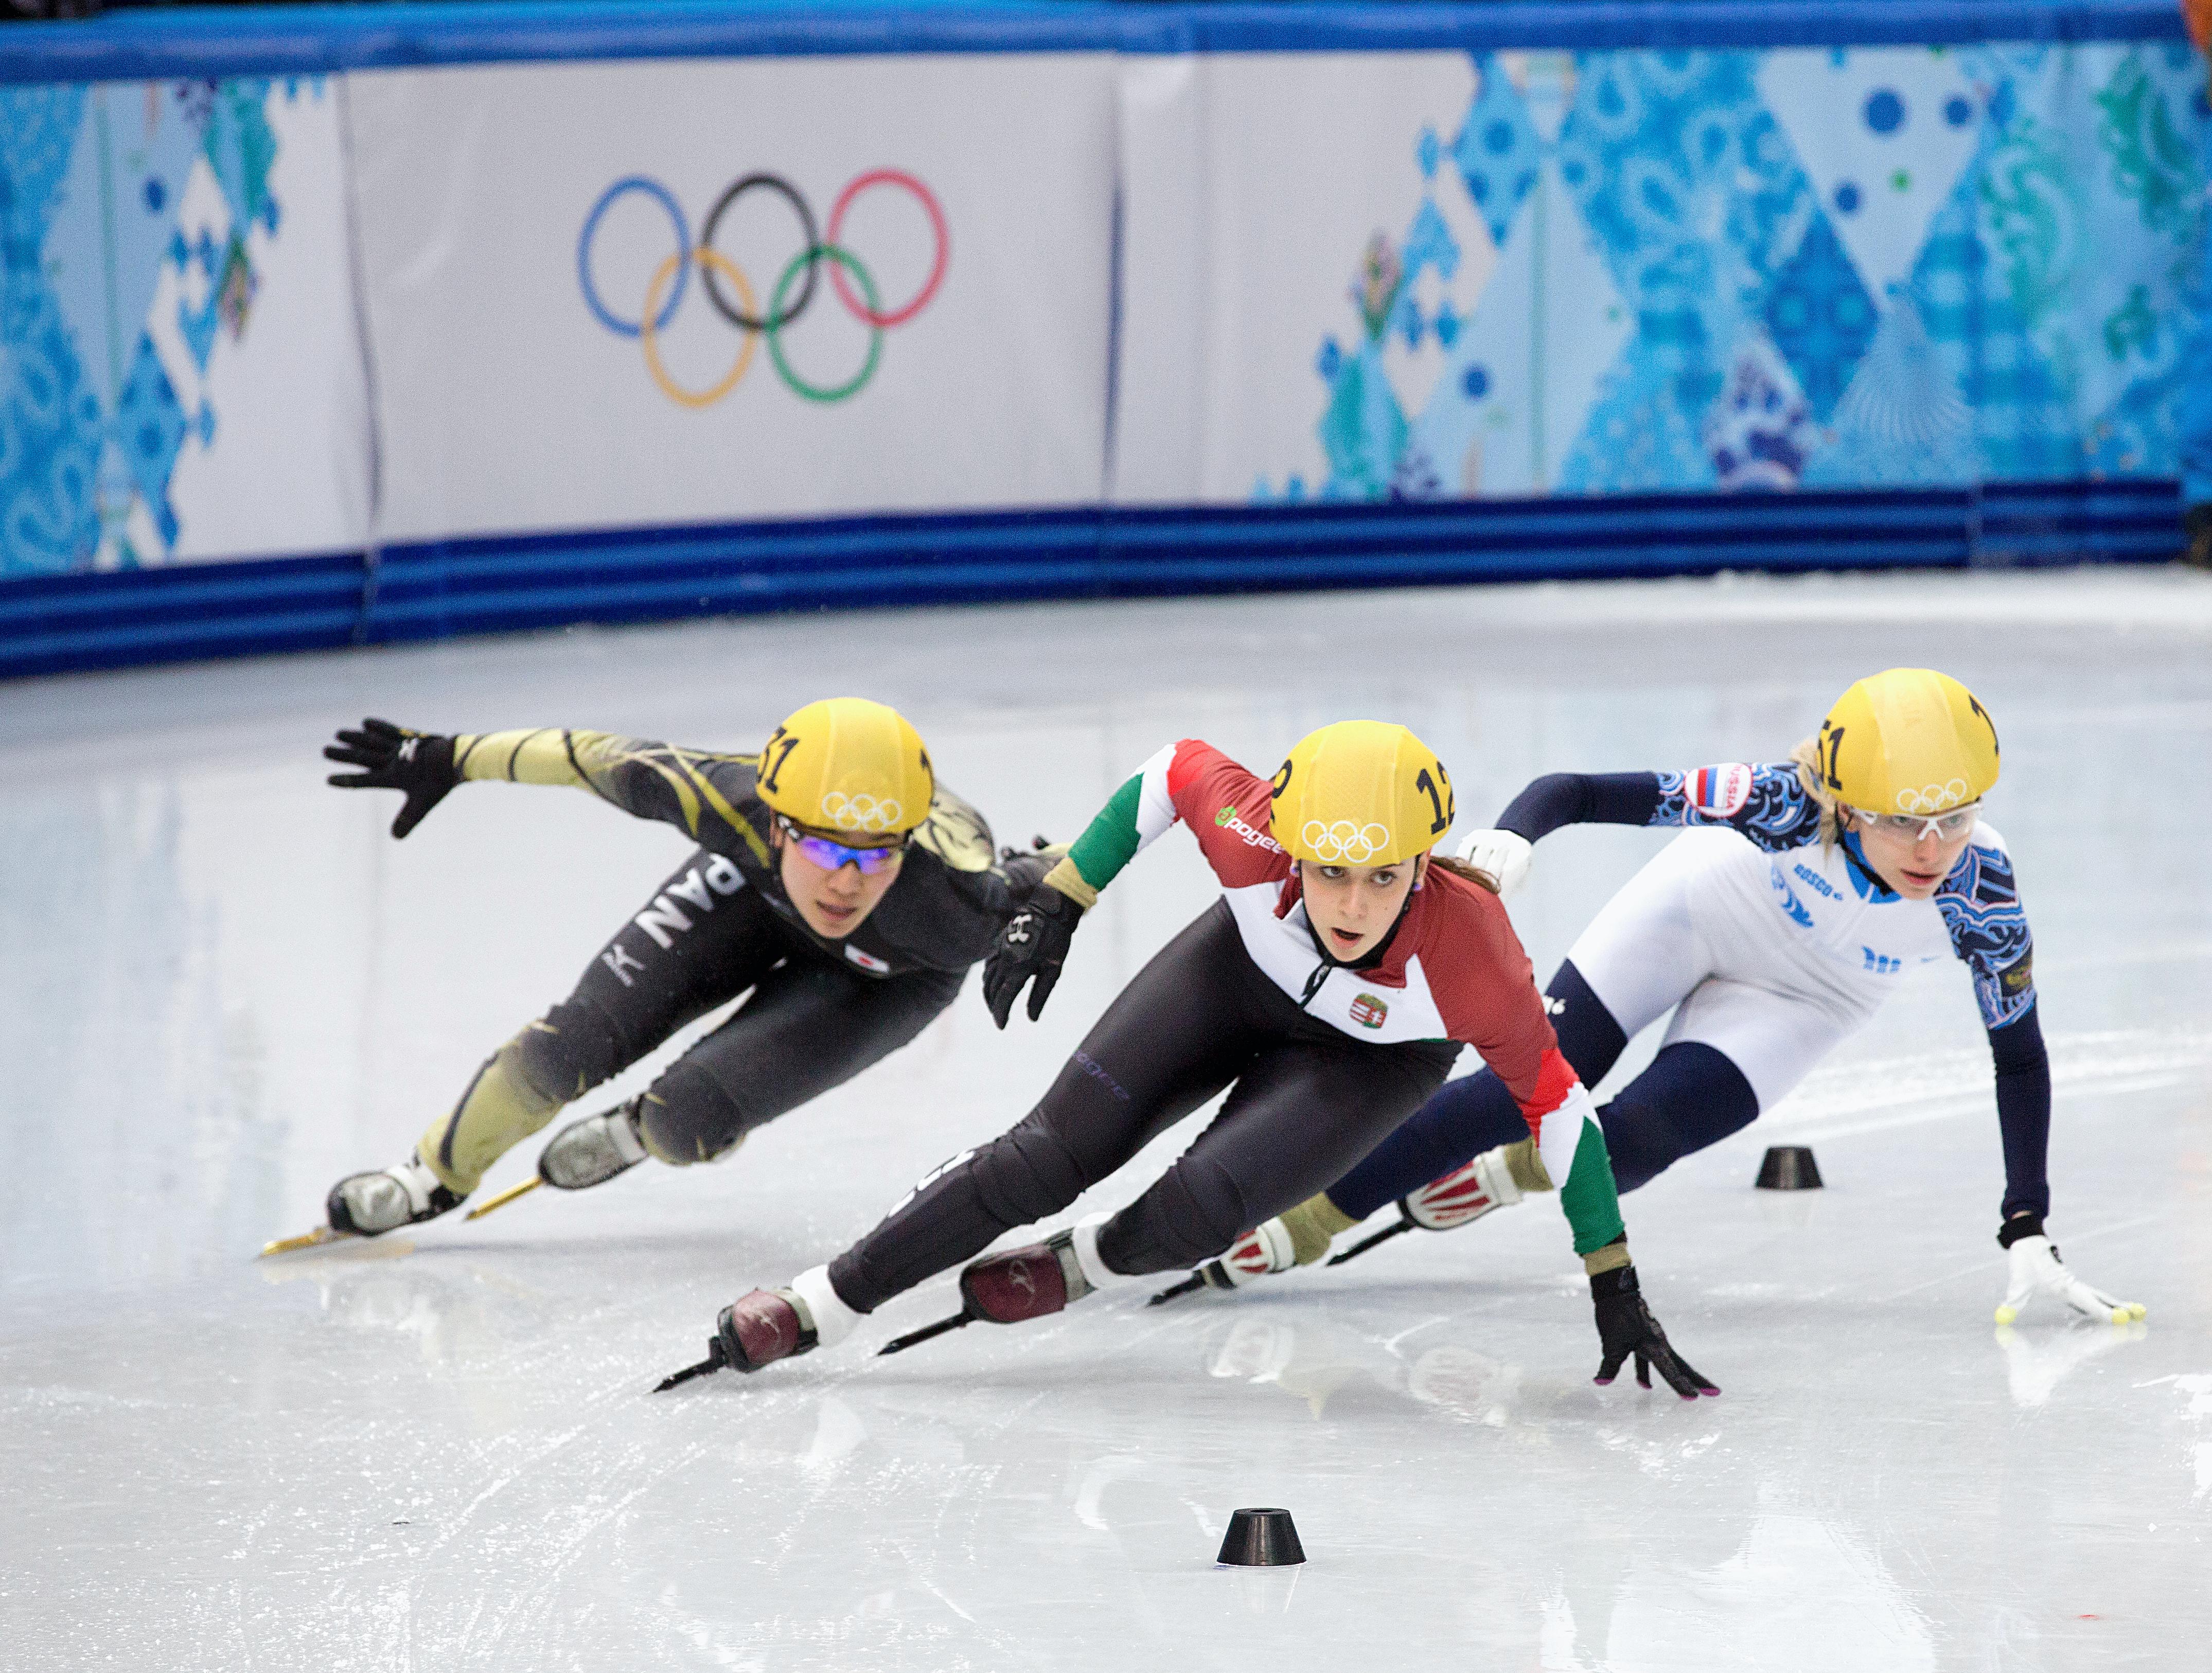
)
(1915, 826)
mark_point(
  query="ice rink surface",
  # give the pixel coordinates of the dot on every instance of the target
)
(225, 986)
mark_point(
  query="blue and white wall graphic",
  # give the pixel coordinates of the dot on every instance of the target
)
(1694, 271)
(1068, 279)
(179, 374)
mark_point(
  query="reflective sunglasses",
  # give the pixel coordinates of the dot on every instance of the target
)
(835, 856)
(1914, 825)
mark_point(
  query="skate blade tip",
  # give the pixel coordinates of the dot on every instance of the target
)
(285, 1245)
(504, 1198)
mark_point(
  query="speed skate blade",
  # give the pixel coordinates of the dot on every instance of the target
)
(915, 1338)
(1196, 1281)
(285, 1245)
(1361, 1247)
(504, 1197)
(716, 1360)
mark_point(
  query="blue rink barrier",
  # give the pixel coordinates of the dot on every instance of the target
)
(302, 41)
(436, 590)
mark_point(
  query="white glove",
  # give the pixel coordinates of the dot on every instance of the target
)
(1504, 854)
(2036, 1270)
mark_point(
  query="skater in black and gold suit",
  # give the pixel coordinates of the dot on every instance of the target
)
(834, 879)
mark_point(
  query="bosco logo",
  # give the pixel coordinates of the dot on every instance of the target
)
(730, 292)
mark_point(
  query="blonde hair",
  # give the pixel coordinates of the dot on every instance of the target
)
(1807, 755)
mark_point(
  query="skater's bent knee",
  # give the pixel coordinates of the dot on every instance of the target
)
(1027, 1174)
(688, 1117)
(566, 1053)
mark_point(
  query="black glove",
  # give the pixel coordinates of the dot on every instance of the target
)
(1033, 942)
(1025, 867)
(1625, 1326)
(419, 763)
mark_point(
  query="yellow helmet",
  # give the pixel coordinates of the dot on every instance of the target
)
(1908, 741)
(1361, 792)
(845, 764)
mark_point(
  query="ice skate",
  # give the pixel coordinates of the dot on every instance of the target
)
(1010, 1287)
(583, 1153)
(759, 1328)
(1467, 1192)
(371, 1204)
(1268, 1248)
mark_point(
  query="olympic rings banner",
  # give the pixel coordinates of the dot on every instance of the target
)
(564, 337)
(739, 289)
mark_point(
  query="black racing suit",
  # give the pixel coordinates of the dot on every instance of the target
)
(820, 1010)
(1308, 1101)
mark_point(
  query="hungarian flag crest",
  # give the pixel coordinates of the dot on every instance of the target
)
(1368, 1011)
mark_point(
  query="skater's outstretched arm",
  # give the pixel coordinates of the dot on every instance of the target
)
(698, 790)
(1980, 902)
(1768, 803)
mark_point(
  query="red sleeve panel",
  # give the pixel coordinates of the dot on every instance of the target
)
(1227, 809)
(1486, 990)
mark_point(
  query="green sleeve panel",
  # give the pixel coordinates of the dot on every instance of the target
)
(1592, 1204)
(1110, 841)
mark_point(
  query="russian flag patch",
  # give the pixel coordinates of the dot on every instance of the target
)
(1719, 792)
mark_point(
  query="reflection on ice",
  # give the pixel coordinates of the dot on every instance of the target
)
(2035, 1364)
(1800, 1592)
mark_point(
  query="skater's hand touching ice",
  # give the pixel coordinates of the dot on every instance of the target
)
(420, 764)
(1031, 947)
(2036, 1270)
(1625, 1326)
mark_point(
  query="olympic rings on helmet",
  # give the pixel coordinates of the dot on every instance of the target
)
(859, 813)
(1344, 843)
(1932, 798)
(846, 272)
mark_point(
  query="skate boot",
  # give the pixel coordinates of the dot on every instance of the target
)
(1025, 1283)
(1296, 1237)
(1267, 1247)
(371, 1204)
(764, 1325)
(1494, 1180)
(593, 1151)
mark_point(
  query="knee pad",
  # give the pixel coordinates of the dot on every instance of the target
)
(1025, 1174)
(687, 1116)
(566, 1053)
(1181, 1220)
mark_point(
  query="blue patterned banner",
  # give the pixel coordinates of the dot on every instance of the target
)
(179, 374)
(1727, 270)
